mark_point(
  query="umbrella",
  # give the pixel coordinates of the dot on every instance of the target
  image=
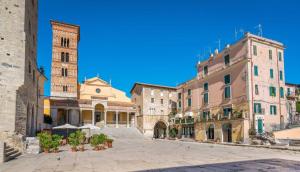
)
(89, 127)
(66, 126)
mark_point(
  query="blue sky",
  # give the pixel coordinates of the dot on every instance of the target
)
(160, 41)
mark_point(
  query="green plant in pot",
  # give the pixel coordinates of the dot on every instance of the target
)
(45, 141)
(95, 142)
(55, 142)
(173, 133)
(109, 142)
(73, 141)
(101, 139)
(81, 137)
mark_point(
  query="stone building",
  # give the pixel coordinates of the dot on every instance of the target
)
(92, 102)
(293, 103)
(20, 78)
(154, 103)
(237, 91)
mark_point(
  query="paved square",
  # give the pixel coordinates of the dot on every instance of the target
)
(132, 152)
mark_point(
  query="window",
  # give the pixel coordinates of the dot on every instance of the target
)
(33, 75)
(272, 91)
(64, 72)
(161, 101)
(271, 74)
(189, 102)
(62, 57)
(29, 27)
(205, 98)
(257, 108)
(255, 70)
(205, 86)
(288, 91)
(280, 56)
(227, 93)
(281, 92)
(65, 42)
(227, 60)
(227, 111)
(205, 70)
(189, 92)
(281, 75)
(206, 114)
(273, 110)
(179, 104)
(65, 88)
(152, 92)
(68, 42)
(256, 89)
(67, 57)
(152, 100)
(255, 50)
(29, 67)
(270, 54)
(179, 95)
(98, 90)
(61, 41)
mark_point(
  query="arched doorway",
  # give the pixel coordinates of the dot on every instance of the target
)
(99, 113)
(227, 132)
(160, 130)
(210, 133)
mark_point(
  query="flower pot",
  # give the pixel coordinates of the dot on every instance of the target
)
(109, 144)
(46, 150)
(81, 148)
(55, 150)
(74, 149)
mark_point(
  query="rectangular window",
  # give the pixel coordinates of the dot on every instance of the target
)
(189, 92)
(271, 74)
(62, 57)
(189, 102)
(33, 75)
(273, 110)
(288, 91)
(227, 111)
(255, 70)
(65, 88)
(205, 98)
(67, 57)
(257, 108)
(270, 54)
(281, 75)
(281, 92)
(179, 104)
(255, 50)
(272, 91)
(62, 72)
(152, 100)
(227, 79)
(227, 92)
(29, 67)
(227, 60)
(179, 95)
(205, 86)
(280, 56)
(205, 115)
(161, 101)
(205, 70)
(256, 89)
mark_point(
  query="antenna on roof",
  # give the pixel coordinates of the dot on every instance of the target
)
(260, 30)
(219, 43)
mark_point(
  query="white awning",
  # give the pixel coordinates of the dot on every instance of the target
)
(179, 115)
(191, 114)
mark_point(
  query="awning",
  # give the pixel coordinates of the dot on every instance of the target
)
(191, 114)
(179, 115)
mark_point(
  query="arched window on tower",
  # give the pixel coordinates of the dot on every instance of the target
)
(66, 72)
(62, 72)
(65, 42)
(61, 41)
(62, 56)
(68, 41)
(67, 57)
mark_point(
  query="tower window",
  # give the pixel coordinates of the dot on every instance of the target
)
(68, 42)
(65, 42)
(61, 41)
(62, 56)
(67, 57)
(64, 72)
(65, 88)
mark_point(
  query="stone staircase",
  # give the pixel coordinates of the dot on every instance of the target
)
(10, 153)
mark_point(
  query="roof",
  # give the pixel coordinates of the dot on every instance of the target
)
(152, 85)
(66, 24)
(291, 84)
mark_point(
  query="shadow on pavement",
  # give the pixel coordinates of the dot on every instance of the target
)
(263, 165)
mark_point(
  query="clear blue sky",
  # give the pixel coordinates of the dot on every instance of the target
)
(159, 41)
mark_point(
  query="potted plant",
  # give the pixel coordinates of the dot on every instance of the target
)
(173, 133)
(55, 142)
(95, 142)
(73, 141)
(109, 142)
(101, 139)
(81, 137)
(45, 141)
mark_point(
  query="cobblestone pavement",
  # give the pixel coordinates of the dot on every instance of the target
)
(132, 152)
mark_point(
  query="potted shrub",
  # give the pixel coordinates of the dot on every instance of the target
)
(73, 141)
(45, 141)
(173, 133)
(55, 142)
(109, 142)
(95, 142)
(81, 137)
(101, 139)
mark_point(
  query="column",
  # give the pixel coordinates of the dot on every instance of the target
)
(105, 118)
(93, 117)
(117, 119)
(128, 120)
(80, 117)
(67, 116)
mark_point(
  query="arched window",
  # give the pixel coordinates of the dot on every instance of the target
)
(65, 42)
(62, 56)
(68, 42)
(61, 41)
(67, 57)
(62, 72)
(66, 72)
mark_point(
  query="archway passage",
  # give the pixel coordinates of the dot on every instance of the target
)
(160, 130)
(227, 132)
(211, 132)
(99, 113)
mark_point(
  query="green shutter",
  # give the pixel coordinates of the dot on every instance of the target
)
(255, 70)
(271, 73)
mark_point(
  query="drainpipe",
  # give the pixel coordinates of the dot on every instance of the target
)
(279, 98)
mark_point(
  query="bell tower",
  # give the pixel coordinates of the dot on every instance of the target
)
(64, 68)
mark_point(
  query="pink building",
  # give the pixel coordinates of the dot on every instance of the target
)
(237, 92)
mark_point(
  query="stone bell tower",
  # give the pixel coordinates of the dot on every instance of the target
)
(64, 69)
